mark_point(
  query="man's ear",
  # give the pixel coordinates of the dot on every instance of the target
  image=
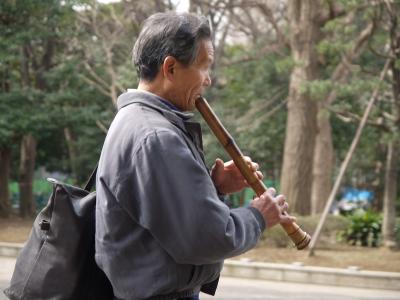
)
(168, 67)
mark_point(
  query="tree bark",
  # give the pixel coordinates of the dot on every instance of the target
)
(71, 143)
(391, 172)
(296, 178)
(26, 172)
(322, 165)
(390, 193)
(5, 159)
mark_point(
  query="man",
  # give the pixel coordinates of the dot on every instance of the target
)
(162, 231)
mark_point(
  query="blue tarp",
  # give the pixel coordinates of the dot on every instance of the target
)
(355, 195)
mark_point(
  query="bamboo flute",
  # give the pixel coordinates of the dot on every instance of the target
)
(300, 238)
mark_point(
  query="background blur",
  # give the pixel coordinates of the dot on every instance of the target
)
(291, 82)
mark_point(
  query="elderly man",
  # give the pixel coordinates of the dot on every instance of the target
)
(162, 230)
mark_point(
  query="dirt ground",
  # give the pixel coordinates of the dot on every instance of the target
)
(377, 259)
(16, 230)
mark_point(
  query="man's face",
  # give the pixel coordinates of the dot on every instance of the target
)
(191, 81)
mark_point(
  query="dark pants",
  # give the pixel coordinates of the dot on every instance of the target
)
(194, 297)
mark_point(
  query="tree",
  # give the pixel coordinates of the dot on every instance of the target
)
(393, 148)
(109, 31)
(323, 161)
(6, 126)
(5, 158)
(31, 31)
(301, 126)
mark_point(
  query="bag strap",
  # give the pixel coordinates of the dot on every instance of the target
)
(92, 180)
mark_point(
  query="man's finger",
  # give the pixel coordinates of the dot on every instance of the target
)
(255, 166)
(219, 161)
(247, 159)
(284, 207)
(271, 191)
(259, 175)
(280, 199)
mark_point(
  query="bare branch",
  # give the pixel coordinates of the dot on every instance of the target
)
(101, 126)
(277, 49)
(270, 16)
(335, 11)
(99, 80)
(342, 70)
(250, 119)
(256, 123)
(95, 85)
(377, 53)
(347, 117)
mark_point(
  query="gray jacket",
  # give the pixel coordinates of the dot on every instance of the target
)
(161, 229)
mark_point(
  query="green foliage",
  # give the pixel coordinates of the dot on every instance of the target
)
(251, 104)
(41, 191)
(23, 112)
(397, 64)
(364, 229)
(284, 66)
(317, 89)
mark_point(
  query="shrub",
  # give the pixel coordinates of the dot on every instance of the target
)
(364, 229)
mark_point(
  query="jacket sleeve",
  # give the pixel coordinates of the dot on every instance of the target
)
(172, 195)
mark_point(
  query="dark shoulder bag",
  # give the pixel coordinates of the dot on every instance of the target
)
(57, 261)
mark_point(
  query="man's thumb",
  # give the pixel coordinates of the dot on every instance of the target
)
(219, 163)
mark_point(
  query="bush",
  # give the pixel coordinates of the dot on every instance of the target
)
(41, 191)
(277, 237)
(364, 229)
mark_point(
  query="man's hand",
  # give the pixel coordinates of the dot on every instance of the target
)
(227, 177)
(272, 208)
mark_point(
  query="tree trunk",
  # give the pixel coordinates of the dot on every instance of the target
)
(5, 159)
(26, 172)
(323, 165)
(391, 172)
(71, 143)
(296, 178)
(389, 199)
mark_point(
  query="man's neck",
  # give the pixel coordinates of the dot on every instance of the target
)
(152, 88)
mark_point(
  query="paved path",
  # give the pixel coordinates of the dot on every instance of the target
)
(251, 289)
(246, 289)
(6, 269)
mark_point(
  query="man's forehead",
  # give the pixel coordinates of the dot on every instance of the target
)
(206, 51)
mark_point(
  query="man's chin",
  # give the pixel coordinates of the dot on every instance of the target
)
(192, 104)
(191, 107)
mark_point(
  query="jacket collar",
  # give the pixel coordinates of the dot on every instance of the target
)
(156, 102)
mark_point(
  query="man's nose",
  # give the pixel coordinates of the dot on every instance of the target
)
(207, 80)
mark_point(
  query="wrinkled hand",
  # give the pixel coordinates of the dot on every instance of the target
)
(273, 209)
(227, 177)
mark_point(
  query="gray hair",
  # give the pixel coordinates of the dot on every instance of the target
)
(164, 34)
